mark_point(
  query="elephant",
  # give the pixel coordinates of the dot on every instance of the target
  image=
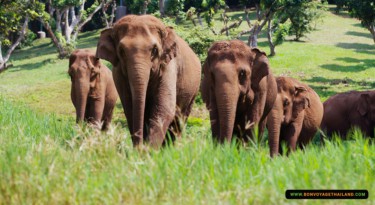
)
(295, 116)
(350, 109)
(238, 89)
(93, 91)
(156, 74)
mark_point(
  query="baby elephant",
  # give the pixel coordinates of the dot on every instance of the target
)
(295, 116)
(93, 91)
(344, 110)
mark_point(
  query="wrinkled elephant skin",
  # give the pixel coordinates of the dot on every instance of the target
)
(93, 91)
(238, 88)
(156, 74)
(295, 116)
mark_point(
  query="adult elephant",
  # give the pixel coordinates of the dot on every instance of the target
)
(350, 109)
(156, 73)
(238, 88)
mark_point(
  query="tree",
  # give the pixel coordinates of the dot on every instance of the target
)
(108, 19)
(277, 12)
(14, 18)
(206, 7)
(364, 10)
(70, 15)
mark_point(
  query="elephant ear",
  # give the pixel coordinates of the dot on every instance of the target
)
(169, 45)
(260, 67)
(363, 104)
(94, 64)
(205, 86)
(301, 92)
(106, 48)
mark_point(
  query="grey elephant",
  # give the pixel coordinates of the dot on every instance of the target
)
(93, 91)
(156, 74)
(238, 88)
(295, 117)
(344, 111)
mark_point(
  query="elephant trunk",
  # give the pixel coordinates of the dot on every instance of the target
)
(139, 81)
(227, 105)
(80, 92)
(274, 120)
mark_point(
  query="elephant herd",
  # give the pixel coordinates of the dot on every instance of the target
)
(157, 77)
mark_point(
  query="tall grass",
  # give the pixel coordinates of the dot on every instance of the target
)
(45, 160)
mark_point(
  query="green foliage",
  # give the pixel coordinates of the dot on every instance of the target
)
(303, 14)
(11, 15)
(63, 3)
(340, 4)
(174, 7)
(206, 7)
(68, 164)
(364, 10)
(46, 159)
(281, 32)
(28, 39)
(136, 6)
(199, 39)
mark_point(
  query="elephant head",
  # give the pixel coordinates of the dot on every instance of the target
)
(84, 71)
(366, 105)
(139, 48)
(232, 74)
(294, 98)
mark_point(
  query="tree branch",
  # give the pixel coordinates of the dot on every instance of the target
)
(22, 33)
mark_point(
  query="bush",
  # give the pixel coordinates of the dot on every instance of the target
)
(199, 39)
(28, 39)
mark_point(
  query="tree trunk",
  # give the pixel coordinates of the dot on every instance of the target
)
(253, 37)
(145, 5)
(60, 48)
(80, 25)
(68, 31)
(269, 36)
(58, 20)
(372, 30)
(112, 13)
(199, 19)
(14, 45)
(162, 8)
(108, 19)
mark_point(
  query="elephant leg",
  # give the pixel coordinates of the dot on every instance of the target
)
(123, 90)
(107, 114)
(96, 111)
(292, 133)
(306, 136)
(178, 124)
(163, 111)
(275, 132)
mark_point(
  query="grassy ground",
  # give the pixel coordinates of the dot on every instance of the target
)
(46, 159)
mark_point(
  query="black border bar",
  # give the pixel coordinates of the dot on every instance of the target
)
(326, 194)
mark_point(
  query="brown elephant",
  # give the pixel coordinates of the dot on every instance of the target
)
(238, 88)
(156, 74)
(295, 116)
(93, 91)
(350, 109)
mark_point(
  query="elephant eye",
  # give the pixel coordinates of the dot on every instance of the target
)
(154, 51)
(242, 76)
(286, 102)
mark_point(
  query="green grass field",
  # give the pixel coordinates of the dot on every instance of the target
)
(46, 159)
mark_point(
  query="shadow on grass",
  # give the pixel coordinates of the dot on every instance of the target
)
(357, 46)
(44, 47)
(358, 65)
(31, 66)
(325, 84)
(359, 34)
